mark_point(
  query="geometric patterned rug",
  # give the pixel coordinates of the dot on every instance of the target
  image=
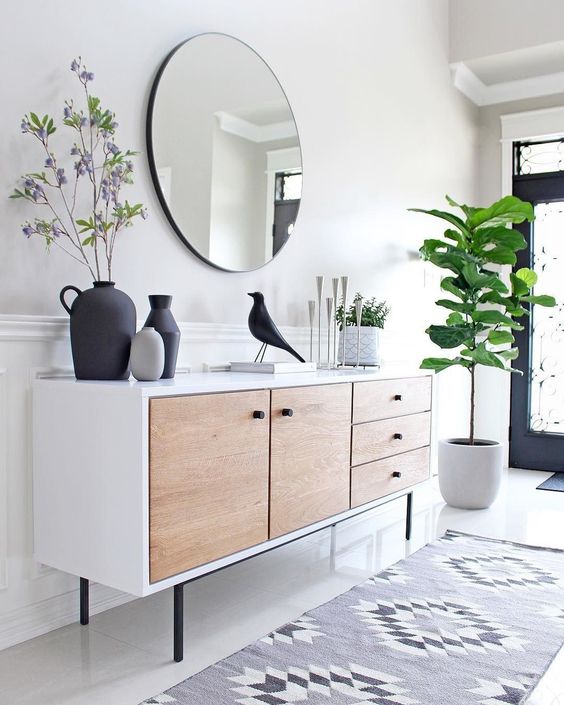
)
(465, 620)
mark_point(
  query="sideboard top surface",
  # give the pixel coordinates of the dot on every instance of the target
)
(209, 382)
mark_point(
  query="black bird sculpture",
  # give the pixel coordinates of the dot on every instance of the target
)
(264, 329)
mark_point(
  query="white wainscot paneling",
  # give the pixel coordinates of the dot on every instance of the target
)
(35, 598)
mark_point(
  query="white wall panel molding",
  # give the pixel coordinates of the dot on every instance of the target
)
(59, 610)
(3, 482)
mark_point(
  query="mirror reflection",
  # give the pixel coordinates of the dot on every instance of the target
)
(224, 152)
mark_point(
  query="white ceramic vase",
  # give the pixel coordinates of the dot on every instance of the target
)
(147, 355)
(369, 346)
(469, 476)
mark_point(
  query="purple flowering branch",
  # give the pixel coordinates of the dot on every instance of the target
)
(99, 162)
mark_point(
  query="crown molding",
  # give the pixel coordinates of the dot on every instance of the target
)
(466, 81)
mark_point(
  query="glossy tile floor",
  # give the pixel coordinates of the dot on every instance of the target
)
(124, 656)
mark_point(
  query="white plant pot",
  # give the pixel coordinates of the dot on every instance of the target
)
(470, 476)
(369, 346)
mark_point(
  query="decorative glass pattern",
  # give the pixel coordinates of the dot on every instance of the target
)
(539, 157)
(288, 186)
(547, 325)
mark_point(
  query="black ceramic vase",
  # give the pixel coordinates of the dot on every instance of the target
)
(161, 319)
(102, 326)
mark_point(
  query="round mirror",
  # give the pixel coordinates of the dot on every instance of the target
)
(224, 152)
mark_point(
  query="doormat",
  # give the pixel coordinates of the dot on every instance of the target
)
(464, 620)
(554, 483)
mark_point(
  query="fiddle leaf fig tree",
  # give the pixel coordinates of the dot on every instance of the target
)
(483, 311)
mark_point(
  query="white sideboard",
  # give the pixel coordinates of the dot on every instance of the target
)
(142, 486)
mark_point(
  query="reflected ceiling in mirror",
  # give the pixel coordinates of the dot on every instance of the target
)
(224, 152)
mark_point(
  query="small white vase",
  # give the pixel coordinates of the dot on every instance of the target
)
(369, 346)
(469, 476)
(147, 355)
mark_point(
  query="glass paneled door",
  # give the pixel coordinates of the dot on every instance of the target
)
(537, 396)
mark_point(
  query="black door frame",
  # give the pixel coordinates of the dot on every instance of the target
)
(530, 449)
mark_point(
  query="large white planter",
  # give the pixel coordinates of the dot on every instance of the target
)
(469, 476)
(369, 346)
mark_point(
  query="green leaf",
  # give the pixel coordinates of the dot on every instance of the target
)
(35, 120)
(467, 210)
(511, 354)
(482, 356)
(493, 297)
(441, 363)
(501, 255)
(505, 237)
(540, 300)
(455, 319)
(444, 215)
(448, 284)
(528, 276)
(518, 286)
(500, 337)
(491, 317)
(449, 336)
(509, 209)
(455, 306)
(476, 279)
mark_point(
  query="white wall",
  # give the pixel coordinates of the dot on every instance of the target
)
(486, 27)
(381, 129)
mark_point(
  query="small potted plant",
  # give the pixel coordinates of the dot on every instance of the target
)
(484, 308)
(374, 314)
(83, 214)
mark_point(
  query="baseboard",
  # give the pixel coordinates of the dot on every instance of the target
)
(58, 611)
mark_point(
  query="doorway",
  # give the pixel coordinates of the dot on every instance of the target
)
(537, 395)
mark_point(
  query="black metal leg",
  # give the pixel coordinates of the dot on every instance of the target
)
(262, 356)
(262, 349)
(408, 516)
(84, 601)
(179, 622)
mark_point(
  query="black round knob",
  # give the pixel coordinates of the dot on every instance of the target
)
(396, 473)
(258, 414)
(397, 397)
(287, 412)
(398, 436)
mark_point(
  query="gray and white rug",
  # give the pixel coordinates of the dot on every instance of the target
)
(464, 620)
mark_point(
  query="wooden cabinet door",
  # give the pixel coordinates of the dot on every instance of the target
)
(310, 455)
(208, 478)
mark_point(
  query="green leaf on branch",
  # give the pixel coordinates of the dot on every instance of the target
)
(445, 215)
(494, 297)
(467, 210)
(501, 255)
(500, 236)
(527, 276)
(492, 317)
(507, 210)
(511, 354)
(478, 280)
(518, 286)
(482, 356)
(442, 363)
(449, 336)
(500, 337)
(540, 300)
(455, 306)
(455, 319)
(450, 284)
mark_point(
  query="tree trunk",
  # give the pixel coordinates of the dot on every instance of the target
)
(472, 403)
